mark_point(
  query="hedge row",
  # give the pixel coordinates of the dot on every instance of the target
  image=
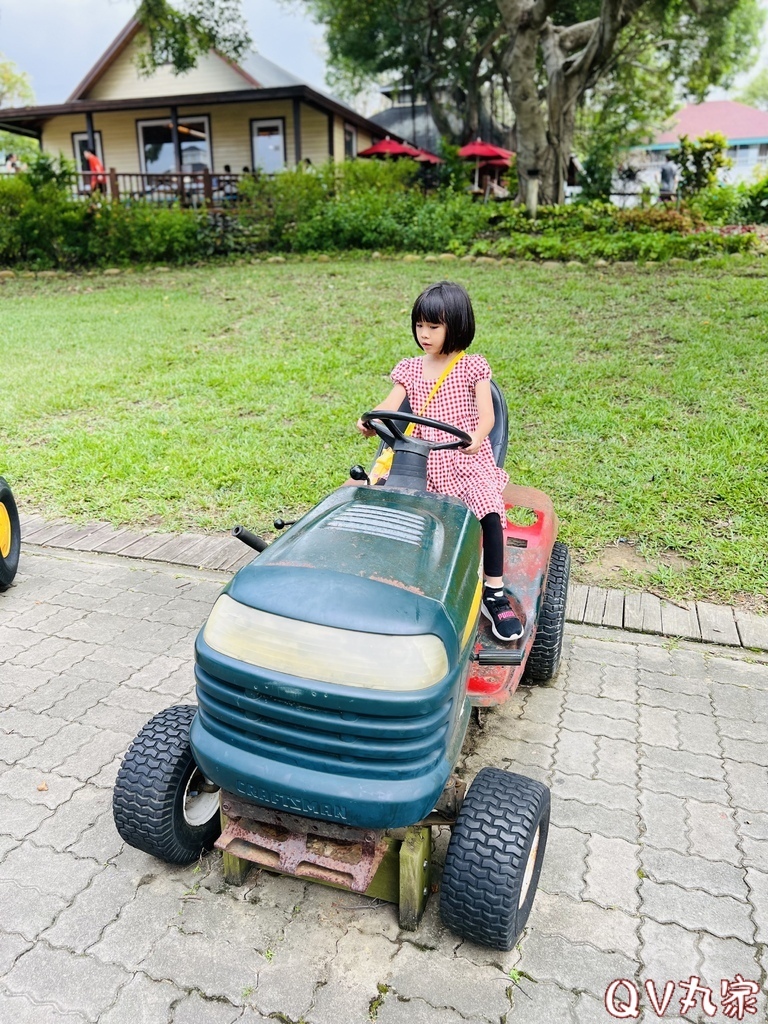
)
(354, 206)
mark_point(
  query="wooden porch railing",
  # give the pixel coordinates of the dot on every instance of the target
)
(193, 188)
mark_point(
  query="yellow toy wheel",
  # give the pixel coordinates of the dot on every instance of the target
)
(10, 536)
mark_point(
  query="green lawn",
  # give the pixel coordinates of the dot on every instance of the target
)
(201, 398)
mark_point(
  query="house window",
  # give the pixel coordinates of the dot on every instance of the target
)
(156, 145)
(79, 146)
(268, 144)
(742, 155)
(762, 152)
(350, 142)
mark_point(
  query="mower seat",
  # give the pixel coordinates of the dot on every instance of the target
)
(498, 436)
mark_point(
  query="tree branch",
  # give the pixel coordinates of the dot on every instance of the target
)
(574, 37)
(614, 15)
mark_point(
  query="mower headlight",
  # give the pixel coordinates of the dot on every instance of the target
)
(324, 653)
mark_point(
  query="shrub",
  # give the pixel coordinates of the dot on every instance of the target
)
(700, 161)
(601, 231)
(756, 208)
(722, 204)
(357, 205)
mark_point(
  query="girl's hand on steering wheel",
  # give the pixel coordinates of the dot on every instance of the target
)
(365, 431)
(474, 448)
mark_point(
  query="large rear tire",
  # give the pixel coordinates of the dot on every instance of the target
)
(544, 659)
(494, 858)
(10, 536)
(162, 804)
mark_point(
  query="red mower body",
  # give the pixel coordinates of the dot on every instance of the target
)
(527, 551)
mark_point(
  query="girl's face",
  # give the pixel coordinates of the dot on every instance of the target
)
(431, 337)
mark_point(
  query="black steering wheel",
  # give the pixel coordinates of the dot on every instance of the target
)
(385, 423)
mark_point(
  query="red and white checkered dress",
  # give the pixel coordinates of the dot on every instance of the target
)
(475, 479)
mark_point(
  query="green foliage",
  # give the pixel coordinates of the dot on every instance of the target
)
(700, 161)
(599, 165)
(181, 33)
(16, 91)
(455, 173)
(25, 149)
(626, 107)
(15, 85)
(46, 170)
(666, 46)
(597, 230)
(42, 227)
(358, 205)
(755, 93)
(756, 211)
(722, 203)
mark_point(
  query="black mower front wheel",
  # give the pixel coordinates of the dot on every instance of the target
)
(162, 803)
(544, 659)
(10, 536)
(494, 858)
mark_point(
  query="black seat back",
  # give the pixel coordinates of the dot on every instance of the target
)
(499, 436)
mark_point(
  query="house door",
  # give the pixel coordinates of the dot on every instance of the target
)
(268, 144)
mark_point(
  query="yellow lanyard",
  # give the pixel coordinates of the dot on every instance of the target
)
(435, 389)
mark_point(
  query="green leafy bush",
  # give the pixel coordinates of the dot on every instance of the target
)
(700, 161)
(357, 205)
(722, 204)
(599, 230)
(756, 208)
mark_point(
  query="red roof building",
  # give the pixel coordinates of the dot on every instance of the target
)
(745, 128)
(736, 121)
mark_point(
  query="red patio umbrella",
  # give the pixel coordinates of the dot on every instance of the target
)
(425, 157)
(478, 148)
(388, 147)
(484, 151)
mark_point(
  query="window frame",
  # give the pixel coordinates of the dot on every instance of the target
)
(268, 121)
(353, 134)
(76, 136)
(185, 119)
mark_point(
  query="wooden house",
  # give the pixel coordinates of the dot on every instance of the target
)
(218, 117)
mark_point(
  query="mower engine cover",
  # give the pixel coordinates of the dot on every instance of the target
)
(332, 672)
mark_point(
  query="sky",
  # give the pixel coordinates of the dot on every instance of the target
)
(57, 41)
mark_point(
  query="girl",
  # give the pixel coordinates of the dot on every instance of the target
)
(443, 325)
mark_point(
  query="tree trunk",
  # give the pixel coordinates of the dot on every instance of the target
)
(534, 155)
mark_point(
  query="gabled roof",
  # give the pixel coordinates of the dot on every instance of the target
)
(124, 39)
(256, 71)
(736, 121)
(267, 74)
(262, 80)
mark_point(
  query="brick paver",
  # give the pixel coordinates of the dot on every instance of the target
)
(656, 867)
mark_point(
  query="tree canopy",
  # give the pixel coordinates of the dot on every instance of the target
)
(548, 57)
(625, 63)
(755, 92)
(181, 33)
(15, 86)
(15, 91)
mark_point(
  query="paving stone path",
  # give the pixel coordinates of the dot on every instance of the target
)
(656, 752)
(591, 605)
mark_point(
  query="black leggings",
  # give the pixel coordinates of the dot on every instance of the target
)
(493, 545)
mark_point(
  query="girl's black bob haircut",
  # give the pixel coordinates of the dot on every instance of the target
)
(446, 303)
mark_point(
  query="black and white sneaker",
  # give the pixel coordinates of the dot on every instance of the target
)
(505, 625)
